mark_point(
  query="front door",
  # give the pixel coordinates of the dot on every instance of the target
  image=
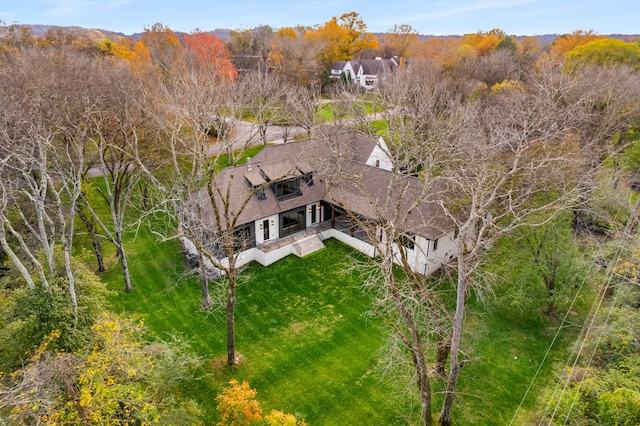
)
(313, 214)
(265, 230)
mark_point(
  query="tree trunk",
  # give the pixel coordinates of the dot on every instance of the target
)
(14, 259)
(423, 385)
(95, 241)
(414, 345)
(263, 134)
(455, 365)
(71, 278)
(125, 266)
(231, 303)
(144, 186)
(204, 285)
(442, 355)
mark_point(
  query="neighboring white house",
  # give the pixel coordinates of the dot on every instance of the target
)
(300, 204)
(365, 72)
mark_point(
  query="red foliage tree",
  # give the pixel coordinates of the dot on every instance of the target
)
(208, 51)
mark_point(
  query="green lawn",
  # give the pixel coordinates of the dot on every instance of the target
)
(305, 344)
(308, 349)
(326, 112)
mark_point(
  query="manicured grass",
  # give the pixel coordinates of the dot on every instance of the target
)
(223, 160)
(326, 111)
(505, 353)
(305, 344)
(308, 349)
(381, 127)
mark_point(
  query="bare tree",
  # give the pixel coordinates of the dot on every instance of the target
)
(494, 162)
(301, 105)
(201, 203)
(389, 208)
(44, 128)
(264, 96)
(516, 169)
(122, 137)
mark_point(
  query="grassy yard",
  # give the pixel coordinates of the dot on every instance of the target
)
(308, 349)
(304, 342)
(327, 111)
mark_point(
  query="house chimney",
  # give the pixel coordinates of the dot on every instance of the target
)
(378, 58)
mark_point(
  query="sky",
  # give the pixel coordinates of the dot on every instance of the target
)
(428, 17)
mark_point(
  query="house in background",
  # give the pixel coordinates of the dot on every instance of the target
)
(249, 63)
(296, 195)
(365, 72)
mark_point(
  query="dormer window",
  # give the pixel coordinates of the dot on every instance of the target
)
(287, 189)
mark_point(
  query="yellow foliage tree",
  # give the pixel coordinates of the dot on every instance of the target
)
(237, 406)
(606, 51)
(281, 44)
(342, 38)
(120, 49)
(119, 379)
(279, 418)
(483, 42)
(565, 43)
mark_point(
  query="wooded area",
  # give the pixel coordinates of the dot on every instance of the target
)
(531, 151)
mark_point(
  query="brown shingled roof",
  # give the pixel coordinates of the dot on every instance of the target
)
(411, 203)
(367, 191)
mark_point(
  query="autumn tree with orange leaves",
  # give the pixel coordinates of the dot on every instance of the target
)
(565, 43)
(341, 38)
(208, 51)
(237, 405)
(164, 47)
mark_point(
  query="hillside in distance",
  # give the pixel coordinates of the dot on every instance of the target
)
(223, 33)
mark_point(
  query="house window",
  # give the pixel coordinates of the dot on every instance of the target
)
(435, 245)
(287, 189)
(261, 194)
(408, 241)
(293, 221)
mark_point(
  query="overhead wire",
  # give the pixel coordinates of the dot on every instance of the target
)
(626, 236)
(553, 341)
(589, 319)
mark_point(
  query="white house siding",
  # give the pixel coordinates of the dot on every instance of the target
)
(446, 249)
(348, 69)
(379, 156)
(266, 259)
(423, 259)
(357, 244)
(318, 213)
(274, 226)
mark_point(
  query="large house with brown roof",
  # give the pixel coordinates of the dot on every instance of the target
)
(291, 197)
